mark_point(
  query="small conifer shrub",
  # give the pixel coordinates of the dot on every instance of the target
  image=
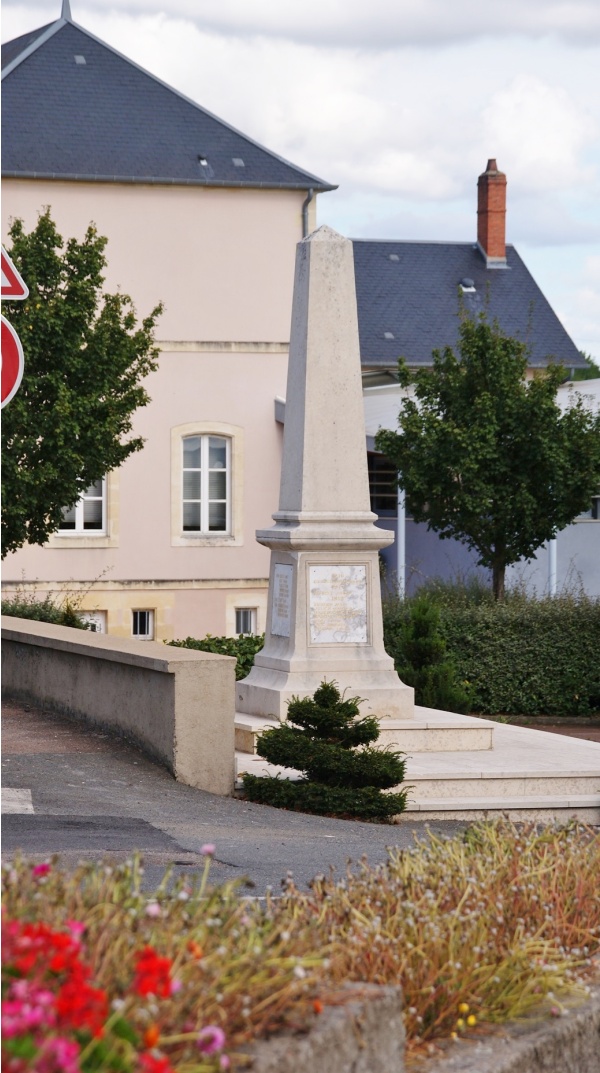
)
(321, 739)
(424, 662)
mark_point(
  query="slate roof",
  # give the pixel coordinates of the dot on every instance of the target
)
(409, 290)
(106, 119)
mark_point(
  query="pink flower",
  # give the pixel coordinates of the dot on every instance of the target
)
(224, 1062)
(76, 928)
(211, 1039)
(58, 1055)
(153, 909)
(40, 869)
(208, 849)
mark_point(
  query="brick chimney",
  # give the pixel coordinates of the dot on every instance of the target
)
(491, 215)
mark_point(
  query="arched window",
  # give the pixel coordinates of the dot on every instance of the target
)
(207, 472)
(206, 497)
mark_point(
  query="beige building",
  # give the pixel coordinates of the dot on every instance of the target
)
(205, 220)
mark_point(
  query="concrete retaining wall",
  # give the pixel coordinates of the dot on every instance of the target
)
(177, 704)
(570, 1044)
(362, 1036)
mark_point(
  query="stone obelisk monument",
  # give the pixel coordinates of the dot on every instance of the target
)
(324, 610)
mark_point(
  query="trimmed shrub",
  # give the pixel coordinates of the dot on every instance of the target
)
(243, 648)
(522, 656)
(45, 610)
(322, 738)
(423, 660)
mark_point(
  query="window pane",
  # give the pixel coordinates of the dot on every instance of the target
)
(217, 485)
(94, 489)
(217, 453)
(217, 517)
(191, 452)
(244, 619)
(191, 517)
(191, 484)
(92, 514)
(68, 519)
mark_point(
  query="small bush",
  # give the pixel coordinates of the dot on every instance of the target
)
(46, 610)
(321, 738)
(423, 660)
(243, 648)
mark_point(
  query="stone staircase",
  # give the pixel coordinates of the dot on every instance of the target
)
(460, 767)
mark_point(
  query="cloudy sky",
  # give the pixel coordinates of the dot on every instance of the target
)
(400, 102)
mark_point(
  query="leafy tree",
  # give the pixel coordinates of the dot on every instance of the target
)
(85, 360)
(591, 373)
(486, 456)
(343, 776)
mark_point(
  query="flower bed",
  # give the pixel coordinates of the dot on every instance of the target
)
(479, 929)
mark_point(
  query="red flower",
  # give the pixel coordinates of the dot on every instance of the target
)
(80, 1006)
(152, 974)
(150, 1064)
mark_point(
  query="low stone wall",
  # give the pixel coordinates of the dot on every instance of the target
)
(177, 704)
(569, 1044)
(364, 1035)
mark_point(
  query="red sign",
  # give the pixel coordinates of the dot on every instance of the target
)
(12, 284)
(12, 361)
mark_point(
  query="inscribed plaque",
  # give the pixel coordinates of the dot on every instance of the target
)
(338, 605)
(281, 612)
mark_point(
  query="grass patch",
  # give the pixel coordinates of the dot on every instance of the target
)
(478, 929)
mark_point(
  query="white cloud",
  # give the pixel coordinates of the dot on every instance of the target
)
(539, 132)
(382, 24)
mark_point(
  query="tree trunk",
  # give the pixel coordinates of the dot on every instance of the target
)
(498, 571)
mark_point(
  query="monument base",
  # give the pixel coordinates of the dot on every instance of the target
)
(269, 691)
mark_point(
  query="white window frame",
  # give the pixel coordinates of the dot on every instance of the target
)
(213, 538)
(149, 635)
(79, 529)
(205, 471)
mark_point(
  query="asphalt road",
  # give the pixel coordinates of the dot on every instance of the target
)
(74, 791)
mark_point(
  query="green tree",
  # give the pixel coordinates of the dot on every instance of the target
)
(486, 456)
(591, 373)
(85, 360)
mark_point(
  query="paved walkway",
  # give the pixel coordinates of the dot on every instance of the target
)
(82, 793)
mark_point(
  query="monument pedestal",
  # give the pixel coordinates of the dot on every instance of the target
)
(323, 623)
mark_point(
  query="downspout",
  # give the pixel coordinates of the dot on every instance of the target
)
(305, 205)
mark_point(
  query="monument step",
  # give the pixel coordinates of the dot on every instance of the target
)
(559, 808)
(528, 774)
(428, 731)
(497, 786)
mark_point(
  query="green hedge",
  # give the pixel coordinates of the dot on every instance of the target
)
(244, 648)
(520, 657)
(44, 611)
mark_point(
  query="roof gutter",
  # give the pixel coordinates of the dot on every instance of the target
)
(161, 181)
(305, 204)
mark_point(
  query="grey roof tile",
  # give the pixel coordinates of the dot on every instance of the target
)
(414, 297)
(109, 119)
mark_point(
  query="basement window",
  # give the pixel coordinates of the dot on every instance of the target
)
(245, 620)
(142, 625)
